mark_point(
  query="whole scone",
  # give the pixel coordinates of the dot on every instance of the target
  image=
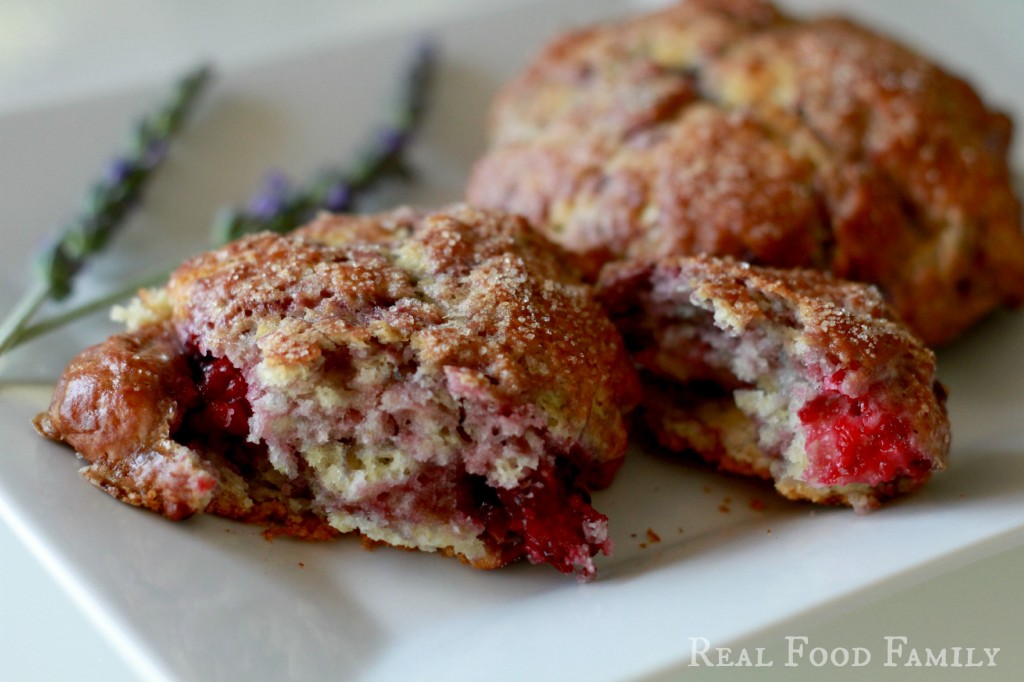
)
(437, 381)
(725, 127)
(786, 374)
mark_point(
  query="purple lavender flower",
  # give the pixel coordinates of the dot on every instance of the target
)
(338, 198)
(108, 204)
(272, 198)
(118, 171)
(392, 141)
(154, 153)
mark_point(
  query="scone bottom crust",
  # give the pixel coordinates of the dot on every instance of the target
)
(430, 381)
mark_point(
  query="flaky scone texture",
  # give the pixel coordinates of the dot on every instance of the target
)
(725, 127)
(786, 374)
(437, 381)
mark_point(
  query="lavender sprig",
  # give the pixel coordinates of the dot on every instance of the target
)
(281, 208)
(278, 207)
(108, 204)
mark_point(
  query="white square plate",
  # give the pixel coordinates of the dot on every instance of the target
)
(696, 554)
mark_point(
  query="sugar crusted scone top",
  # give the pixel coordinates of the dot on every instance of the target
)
(836, 321)
(462, 290)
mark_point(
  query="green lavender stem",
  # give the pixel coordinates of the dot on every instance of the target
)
(95, 305)
(108, 205)
(14, 323)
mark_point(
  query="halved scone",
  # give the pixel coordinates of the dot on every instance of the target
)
(791, 375)
(432, 381)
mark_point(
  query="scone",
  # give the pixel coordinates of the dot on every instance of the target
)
(790, 375)
(724, 127)
(431, 381)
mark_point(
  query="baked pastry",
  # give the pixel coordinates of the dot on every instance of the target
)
(431, 381)
(790, 375)
(725, 127)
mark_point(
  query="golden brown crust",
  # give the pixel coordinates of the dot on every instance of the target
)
(726, 128)
(144, 371)
(117, 405)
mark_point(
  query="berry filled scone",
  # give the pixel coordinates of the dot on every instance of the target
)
(725, 127)
(431, 381)
(790, 375)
